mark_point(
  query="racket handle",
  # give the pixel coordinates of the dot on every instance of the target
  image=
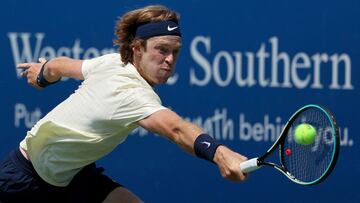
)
(249, 165)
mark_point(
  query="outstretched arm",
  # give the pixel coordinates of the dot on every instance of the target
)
(184, 134)
(53, 70)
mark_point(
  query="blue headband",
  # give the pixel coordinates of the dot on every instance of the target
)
(157, 29)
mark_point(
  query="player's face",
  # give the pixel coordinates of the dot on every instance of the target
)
(157, 63)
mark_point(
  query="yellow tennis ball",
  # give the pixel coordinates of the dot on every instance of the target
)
(305, 134)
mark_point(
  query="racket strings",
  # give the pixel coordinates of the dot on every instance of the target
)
(308, 163)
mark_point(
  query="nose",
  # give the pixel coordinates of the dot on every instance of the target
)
(170, 59)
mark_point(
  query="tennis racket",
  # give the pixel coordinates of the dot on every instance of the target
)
(303, 164)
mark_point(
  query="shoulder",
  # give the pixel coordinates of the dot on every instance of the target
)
(107, 58)
(101, 63)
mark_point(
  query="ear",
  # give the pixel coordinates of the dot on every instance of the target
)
(137, 49)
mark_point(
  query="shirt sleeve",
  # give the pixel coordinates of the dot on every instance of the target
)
(89, 65)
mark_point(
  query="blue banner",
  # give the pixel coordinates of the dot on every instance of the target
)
(244, 68)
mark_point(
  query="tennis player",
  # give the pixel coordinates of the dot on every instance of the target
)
(56, 160)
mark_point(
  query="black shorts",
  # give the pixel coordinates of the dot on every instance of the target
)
(19, 182)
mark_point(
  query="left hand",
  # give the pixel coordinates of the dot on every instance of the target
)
(31, 71)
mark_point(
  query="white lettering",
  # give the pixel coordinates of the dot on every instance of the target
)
(26, 54)
(23, 51)
(259, 131)
(91, 53)
(201, 60)
(262, 55)
(275, 59)
(300, 61)
(275, 69)
(219, 125)
(318, 58)
(336, 59)
(23, 116)
(222, 127)
(229, 68)
(249, 80)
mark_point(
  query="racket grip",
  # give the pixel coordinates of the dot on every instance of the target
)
(249, 165)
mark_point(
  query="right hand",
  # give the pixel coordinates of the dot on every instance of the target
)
(229, 162)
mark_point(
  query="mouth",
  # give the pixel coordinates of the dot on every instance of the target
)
(166, 69)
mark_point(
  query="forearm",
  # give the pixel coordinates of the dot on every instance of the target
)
(209, 149)
(185, 135)
(62, 67)
(227, 160)
(168, 124)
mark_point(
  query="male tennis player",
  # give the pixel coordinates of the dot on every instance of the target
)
(56, 160)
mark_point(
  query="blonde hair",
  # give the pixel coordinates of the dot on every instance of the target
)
(126, 27)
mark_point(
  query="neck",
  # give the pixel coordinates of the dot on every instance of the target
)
(142, 74)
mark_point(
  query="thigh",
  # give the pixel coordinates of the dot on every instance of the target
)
(90, 185)
(122, 195)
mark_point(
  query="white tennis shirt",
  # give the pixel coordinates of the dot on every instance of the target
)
(92, 121)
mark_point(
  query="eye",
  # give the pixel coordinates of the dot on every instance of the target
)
(176, 52)
(163, 50)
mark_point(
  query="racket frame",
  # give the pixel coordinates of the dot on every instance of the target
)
(256, 163)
